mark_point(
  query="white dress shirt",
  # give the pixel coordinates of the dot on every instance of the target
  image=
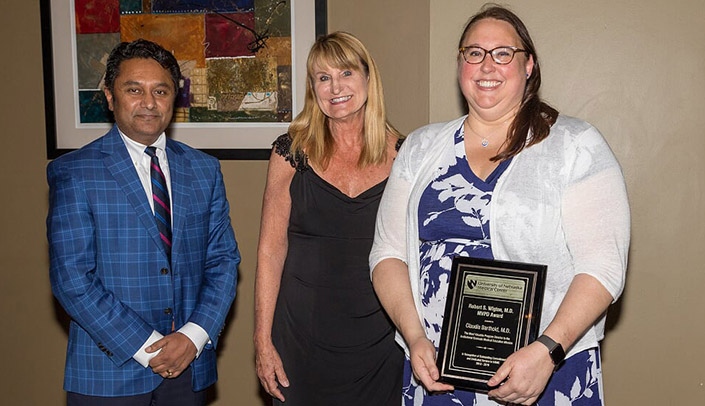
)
(142, 162)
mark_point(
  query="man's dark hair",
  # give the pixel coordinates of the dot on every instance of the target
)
(140, 48)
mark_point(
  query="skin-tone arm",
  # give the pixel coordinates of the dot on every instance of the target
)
(271, 254)
(529, 369)
(391, 283)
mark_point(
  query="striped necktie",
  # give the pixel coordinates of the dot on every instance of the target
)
(160, 195)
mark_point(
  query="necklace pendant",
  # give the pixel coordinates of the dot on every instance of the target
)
(485, 143)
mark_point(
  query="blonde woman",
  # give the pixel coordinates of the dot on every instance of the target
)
(321, 336)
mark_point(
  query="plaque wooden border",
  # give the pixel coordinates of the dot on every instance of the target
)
(493, 308)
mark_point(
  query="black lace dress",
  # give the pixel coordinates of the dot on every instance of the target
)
(335, 340)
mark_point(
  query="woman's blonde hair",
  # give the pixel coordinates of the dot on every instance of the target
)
(309, 130)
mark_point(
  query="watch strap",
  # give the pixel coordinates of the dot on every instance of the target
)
(555, 350)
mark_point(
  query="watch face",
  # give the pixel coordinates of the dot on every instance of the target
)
(557, 354)
(555, 350)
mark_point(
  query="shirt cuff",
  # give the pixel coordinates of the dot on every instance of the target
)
(196, 334)
(141, 355)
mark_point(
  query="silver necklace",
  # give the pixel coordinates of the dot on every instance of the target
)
(483, 140)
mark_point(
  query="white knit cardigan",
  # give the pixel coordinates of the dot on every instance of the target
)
(561, 202)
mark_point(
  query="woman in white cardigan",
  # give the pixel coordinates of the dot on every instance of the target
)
(513, 180)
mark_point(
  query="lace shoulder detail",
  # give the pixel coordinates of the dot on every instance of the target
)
(282, 146)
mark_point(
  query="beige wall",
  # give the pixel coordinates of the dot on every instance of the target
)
(632, 68)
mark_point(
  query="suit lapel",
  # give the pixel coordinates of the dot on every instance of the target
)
(180, 171)
(120, 165)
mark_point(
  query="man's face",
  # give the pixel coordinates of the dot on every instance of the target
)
(142, 99)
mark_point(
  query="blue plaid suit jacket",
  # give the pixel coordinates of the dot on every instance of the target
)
(110, 272)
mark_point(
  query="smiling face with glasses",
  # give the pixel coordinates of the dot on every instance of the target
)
(493, 86)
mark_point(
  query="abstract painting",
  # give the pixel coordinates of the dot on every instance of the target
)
(242, 64)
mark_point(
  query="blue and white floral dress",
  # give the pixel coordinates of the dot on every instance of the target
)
(454, 214)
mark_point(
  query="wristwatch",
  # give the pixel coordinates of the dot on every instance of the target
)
(555, 350)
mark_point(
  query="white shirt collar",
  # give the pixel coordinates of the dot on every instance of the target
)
(136, 149)
(142, 160)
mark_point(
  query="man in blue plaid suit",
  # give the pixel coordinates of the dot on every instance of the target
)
(146, 315)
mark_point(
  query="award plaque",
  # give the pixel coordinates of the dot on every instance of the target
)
(493, 309)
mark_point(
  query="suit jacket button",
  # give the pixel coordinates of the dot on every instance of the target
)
(164, 271)
(167, 310)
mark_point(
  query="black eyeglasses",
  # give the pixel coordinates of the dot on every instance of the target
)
(501, 55)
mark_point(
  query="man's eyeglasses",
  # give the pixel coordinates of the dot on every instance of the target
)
(501, 55)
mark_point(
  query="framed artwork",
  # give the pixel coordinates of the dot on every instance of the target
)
(243, 65)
